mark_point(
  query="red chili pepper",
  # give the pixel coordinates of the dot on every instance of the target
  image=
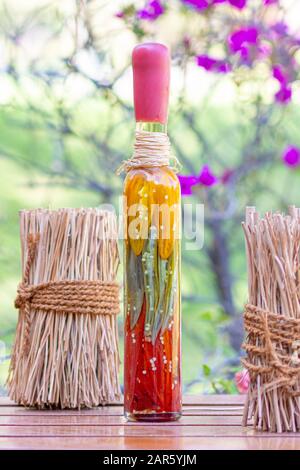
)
(151, 384)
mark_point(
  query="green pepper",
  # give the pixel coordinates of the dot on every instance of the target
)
(135, 286)
(149, 263)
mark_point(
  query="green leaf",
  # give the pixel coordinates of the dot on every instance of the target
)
(206, 370)
(162, 282)
(169, 296)
(135, 286)
(149, 265)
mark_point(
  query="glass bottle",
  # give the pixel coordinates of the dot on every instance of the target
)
(152, 356)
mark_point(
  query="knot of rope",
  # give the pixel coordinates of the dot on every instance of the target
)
(71, 297)
(24, 294)
(273, 348)
(151, 149)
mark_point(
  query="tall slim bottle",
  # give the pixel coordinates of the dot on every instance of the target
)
(152, 359)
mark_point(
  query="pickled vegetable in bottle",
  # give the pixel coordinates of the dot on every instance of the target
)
(152, 365)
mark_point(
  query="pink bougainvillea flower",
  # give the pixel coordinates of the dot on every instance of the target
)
(284, 95)
(240, 4)
(211, 64)
(270, 2)
(206, 177)
(223, 67)
(152, 10)
(280, 28)
(285, 75)
(120, 14)
(197, 4)
(242, 380)
(227, 176)
(279, 74)
(203, 4)
(243, 42)
(206, 62)
(186, 184)
(291, 156)
(240, 39)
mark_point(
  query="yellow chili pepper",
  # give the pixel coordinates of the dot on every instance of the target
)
(153, 197)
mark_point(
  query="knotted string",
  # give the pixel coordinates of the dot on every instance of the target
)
(151, 149)
(73, 297)
(273, 347)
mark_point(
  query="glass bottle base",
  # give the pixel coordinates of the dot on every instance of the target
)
(153, 417)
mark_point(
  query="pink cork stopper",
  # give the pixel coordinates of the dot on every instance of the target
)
(151, 82)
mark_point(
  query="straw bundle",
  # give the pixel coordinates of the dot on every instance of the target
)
(272, 320)
(66, 353)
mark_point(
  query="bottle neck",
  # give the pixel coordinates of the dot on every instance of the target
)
(151, 127)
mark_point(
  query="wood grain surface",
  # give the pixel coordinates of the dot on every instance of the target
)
(208, 422)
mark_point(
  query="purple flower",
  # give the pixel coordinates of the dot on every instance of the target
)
(284, 95)
(240, 39)
(279, 75)
(186, 184)
(206, 177)
(223, 67)
(240, 4)
(270, 2)
(152, 10)
(203, 4)
(227, 176)
(211, 64)
(291, 156)
(119, 14)
(280, 28)
(244, 41)
(206, 62)
(197, 4)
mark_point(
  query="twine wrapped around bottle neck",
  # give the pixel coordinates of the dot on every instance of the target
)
(151, 149)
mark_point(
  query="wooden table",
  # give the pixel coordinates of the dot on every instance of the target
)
(208, 422)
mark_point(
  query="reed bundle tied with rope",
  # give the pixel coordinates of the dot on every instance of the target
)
(272, 320)
(66, 348)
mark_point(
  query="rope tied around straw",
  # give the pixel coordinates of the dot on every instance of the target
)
(151, 149)
(279, 339)
(71, 297)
